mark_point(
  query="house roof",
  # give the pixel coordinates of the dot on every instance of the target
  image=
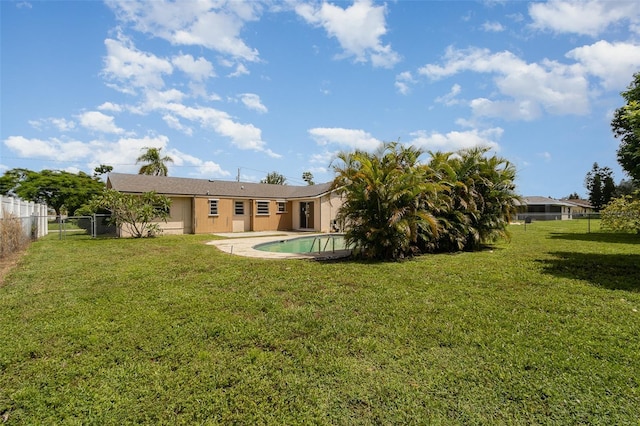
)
(536, 200)
(578, 202)
(214, 188)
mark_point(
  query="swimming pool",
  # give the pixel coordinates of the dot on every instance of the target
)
(311, 244)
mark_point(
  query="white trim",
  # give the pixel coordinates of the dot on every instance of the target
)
(217, 213)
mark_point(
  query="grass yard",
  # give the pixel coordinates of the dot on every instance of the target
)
(542, 330)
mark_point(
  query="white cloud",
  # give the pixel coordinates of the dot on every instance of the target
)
(325, 158)
(252, 101)
(110, 106)
(590, 17)
(450, 98)
(174, 123)
(135, 69)
(350, 138)
(358, 28)
(492, 27)
(403, 82)
(204, 168)
(555, 87)
(99, 122)
(158, 99)
(456, 140)
(198, 69)
(53, 148)
(213, 25)
(61, 124)
(209, 168)
(240, 70)
(243, 136)
(508, 110)
(614, 63)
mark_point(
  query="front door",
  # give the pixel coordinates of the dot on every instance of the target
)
(306, 215)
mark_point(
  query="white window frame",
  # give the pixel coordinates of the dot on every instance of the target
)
(236, 204)
(283, 204)
(214, 204)
(262, 203)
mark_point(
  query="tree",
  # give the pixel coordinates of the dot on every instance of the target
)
(626, 127)
(308, 177)
(481, 198)
(382, 200)
(101, 170)
(622, 214)
(601, 186)
(626, 187)
(57, 189)
(573, 196)
(274, 178)
(136, 214)
(155, 164)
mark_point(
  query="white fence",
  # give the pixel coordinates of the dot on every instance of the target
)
(32, 216)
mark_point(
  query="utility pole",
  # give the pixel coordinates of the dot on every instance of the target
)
(238, 178)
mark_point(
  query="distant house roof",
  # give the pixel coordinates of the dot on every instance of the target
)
(536, 200)
(219, 188)
(578, 202)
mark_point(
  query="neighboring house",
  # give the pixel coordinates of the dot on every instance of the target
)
(544, 208)
(201, 206)
(581, 207)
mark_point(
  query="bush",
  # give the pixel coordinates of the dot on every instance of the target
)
(622, 214)
(12, 236)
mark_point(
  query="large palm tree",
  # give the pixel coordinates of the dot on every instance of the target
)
(382, 195)
(478, 198)
(155, 164)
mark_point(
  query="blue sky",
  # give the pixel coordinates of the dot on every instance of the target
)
(253, 87)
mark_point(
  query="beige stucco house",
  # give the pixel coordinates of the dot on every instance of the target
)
(201, 206)
(545, 208)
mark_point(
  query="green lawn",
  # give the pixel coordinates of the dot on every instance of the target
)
(544, 329)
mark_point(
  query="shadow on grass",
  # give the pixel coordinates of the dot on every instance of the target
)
(599, 237)
(612, 271)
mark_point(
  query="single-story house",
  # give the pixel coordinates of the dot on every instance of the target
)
(545, 208)
(201, 206)
(581, 207)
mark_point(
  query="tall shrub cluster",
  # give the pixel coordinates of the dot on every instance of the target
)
(623, 214)
(395, 206)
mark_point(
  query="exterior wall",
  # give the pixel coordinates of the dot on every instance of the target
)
(179, 222)
(227, 221)
(329, 206)
(274, 220)
(180, 219)
(191, 215)
(548, 212)
(324, 212)
(205, 223)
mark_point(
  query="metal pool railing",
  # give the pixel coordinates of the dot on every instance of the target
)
(319, 240)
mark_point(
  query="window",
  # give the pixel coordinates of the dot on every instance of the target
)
(239, 208)
(160, 210)
(262, 207)
(282, 206)
(213, 207)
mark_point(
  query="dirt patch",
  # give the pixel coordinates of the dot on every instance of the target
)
(9, 262)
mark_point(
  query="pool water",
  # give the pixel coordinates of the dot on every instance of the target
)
(315, 244)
